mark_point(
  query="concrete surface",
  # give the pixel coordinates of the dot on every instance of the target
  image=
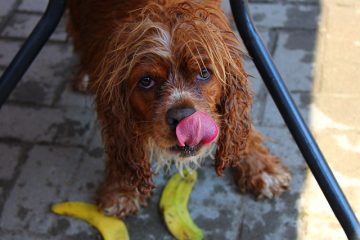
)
(50, 150)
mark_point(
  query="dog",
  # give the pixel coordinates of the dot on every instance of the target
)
(169, 84)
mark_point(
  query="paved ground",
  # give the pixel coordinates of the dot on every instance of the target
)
(50, 149)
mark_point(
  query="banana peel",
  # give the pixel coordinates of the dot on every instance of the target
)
(173, 203)
(111, 228)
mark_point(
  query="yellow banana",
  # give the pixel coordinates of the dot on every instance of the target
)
(173, 203)
(111, 228)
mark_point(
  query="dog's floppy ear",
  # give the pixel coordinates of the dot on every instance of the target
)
(235, 111)
(125, 145)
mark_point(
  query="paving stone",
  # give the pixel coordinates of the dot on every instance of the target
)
(342, 148)
(281, 1)
(338, 48)
(256, 83)
(66, 126)
(316, 216)
(88, 178)
(285, 15)
(90, 173)
(272, 116)
(294, 59)
(343, 83)
(9, 157)
(6, 7)
(44, 179)
(45, 77)
(276, 219)
(22, 24)
(344, 47)
(335, 112)
(71, 98)
(21, 235)
(8, 50)
(280, 15)
(2, 196)
(33, 5)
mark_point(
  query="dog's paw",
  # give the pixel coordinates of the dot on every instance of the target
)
(121, 205)
(274, 184)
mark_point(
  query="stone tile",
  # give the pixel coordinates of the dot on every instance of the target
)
(339, 77)
(45, 77)
(295, 60)
(22, 24)
(281, 144)
(21, 235)
(291, 1)
(315, 213)
(8, 51)
(44, 179)
(335, 112)
(338, 49)
(257, 111)
(9, 158)
(280, 15)
(72, 98)
(349, 12)
(33, 5)
(6, 7)
(66, 126)
(90, 173)
(276, 219)
(255, 80)
(342, 148)
(88, 178)
(272, 116)
(285, 15)
(342, 48)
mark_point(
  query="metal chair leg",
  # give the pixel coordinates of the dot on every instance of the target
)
(31, 48)
(294, 121)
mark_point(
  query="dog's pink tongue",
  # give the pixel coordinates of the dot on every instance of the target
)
(196, 128)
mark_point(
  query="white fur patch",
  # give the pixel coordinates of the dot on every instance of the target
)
(274, 184)
(178, 94)
(164, 158)
(84, 82)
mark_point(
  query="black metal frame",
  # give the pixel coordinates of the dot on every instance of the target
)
(268, 72)
(293, 120)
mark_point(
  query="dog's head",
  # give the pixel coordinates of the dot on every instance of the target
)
(174, 78)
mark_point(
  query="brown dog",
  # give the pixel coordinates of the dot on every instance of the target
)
(169, 84)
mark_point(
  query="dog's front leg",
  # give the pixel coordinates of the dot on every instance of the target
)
(260, 172)
(128, 180)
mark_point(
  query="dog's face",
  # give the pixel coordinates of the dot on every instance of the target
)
(172, 65)
(166, 90)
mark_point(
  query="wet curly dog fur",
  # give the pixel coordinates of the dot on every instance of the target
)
(169, 84)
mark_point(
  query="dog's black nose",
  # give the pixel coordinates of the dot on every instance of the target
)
(175, 115)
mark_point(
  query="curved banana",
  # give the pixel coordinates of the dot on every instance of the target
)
(173, 203)
(111, 228)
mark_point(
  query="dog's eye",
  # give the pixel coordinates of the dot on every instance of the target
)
(146, 82)
(204, 75)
